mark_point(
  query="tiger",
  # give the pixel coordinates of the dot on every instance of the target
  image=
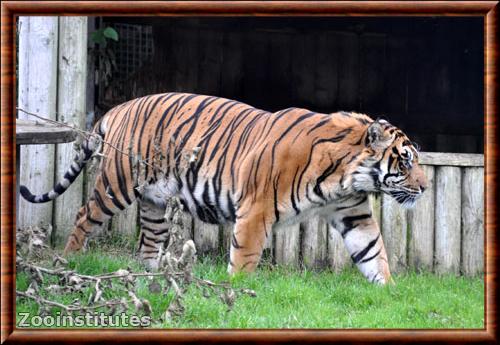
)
(257, 169)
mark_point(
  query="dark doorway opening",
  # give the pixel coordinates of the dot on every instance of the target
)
(423, 74)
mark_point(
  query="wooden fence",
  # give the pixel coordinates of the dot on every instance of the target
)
(51, 82)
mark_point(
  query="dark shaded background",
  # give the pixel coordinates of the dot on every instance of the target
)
(423, 74)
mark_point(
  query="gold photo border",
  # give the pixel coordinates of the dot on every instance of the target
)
(11, 9)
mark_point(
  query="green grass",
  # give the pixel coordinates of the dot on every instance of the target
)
(288, 298)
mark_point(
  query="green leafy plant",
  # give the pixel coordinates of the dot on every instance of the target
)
(102, 35)
(103, 53)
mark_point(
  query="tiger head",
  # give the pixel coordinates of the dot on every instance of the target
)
(390, 165)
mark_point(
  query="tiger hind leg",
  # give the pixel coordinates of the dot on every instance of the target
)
(100, 207)
(154, 232)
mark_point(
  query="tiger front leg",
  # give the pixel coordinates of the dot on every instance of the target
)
(363, 241)
(247, 242)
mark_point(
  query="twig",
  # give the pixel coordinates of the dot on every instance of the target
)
(40, 300)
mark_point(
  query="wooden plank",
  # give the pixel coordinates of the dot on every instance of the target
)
(395, 87)
(376, 205)
(37, 77)
(90, 88)
(39, 132)
(232, 60)
(456, 143)
(448, 217)
(338, 257)
(372, 76)
(227, 232)
(303, 62)
(71, 92)
(269, 245)
(473, 221)
(278, 75)
(314, 242)
(453, 159)
(186, 59)
(125, 222)
(326, 78)
(209, 62)
(206, 237)
(394, 233)
(421, 226)
(255, 57)
(348, 72)
(287, 245)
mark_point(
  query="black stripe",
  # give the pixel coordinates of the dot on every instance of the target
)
(356, 258)
(151, 220)
(275, 187)
(83, 230)
(235, 243)
(292, 197)
(328, 171)
(93, 221)
(350, 206)
(232, 210)
(371, 257)
(101, 204)
(319, 124)
(340, 136)
(109, 190)
(349, 222)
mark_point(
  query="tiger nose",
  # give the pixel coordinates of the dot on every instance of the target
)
(423, 184)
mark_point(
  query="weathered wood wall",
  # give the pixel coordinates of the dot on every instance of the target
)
(37, 72)
(71, 95)
(52, 76)
(410, 71)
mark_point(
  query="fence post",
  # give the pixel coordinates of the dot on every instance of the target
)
(37, 78)
(421, 224)
(394, 233)
(125, 222)
(71, 95)
(314, 242)
(448, 219)
(338, 257)
(472, 221)
(376, 205)
(287, 245)
(206, 237)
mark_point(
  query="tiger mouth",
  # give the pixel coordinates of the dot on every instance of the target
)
(405, 198)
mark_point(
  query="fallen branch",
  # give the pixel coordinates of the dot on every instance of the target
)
(176, 270)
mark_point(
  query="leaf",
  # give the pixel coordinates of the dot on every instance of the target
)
(98, 37)
(111, 33)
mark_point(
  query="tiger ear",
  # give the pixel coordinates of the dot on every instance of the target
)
(375, 136)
